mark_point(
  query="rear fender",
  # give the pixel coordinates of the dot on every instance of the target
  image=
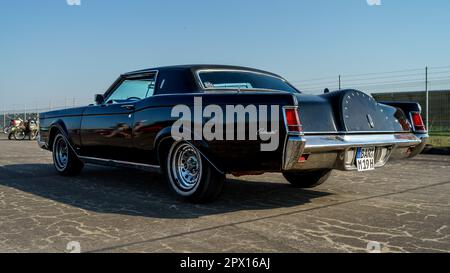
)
(202, 146)
(407, 107)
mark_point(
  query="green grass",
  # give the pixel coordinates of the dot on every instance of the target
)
(440, 134)
(440, 138)
(440, 141)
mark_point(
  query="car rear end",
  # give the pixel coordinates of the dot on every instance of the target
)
(350, 131)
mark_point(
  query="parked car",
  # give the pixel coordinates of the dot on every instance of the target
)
(132, 125)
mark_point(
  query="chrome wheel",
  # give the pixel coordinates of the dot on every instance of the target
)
(19, 134)
(61, 153)
(186, 167)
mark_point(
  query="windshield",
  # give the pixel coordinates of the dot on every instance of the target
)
(243, 80)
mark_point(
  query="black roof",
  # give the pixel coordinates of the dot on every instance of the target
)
(195, 67)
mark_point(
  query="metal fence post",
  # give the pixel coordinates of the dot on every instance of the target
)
(427, 98)
(4, 116)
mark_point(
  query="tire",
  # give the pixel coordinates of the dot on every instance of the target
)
(33, 135)
(308, 179)
(19, 134)
(10, 136)
(65, 160)
(191, 176)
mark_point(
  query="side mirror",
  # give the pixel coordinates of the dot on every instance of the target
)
(99, 99)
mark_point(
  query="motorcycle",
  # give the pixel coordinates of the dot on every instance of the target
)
(28, 128)
(21, 129)
(14, 124)
(6, 130)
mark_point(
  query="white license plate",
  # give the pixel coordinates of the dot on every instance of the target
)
(365, 159)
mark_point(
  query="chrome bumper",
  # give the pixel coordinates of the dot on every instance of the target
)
(41, 143)
(339, 151)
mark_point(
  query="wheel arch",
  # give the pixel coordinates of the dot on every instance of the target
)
(57, 126)
(164, 141)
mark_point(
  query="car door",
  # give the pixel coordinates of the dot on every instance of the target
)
(107, 129)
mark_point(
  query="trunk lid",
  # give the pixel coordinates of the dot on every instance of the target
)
(349, 111)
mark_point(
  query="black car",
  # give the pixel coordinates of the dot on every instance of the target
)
(304, 137)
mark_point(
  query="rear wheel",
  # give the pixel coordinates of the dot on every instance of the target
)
(19, 134)
(191, 176)
(65, 160)
(308, 179)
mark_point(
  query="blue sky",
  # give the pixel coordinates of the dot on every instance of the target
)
(52, 51)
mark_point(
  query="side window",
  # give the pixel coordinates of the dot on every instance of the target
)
(133, 90)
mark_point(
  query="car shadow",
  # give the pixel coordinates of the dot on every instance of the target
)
(138, 193)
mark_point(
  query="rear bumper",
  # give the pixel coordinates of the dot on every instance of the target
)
(41, 143)
(338, 151)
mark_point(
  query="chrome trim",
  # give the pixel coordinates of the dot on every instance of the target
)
(132, 77)
(201, 153)
(41, 143)
(414, 126)
(293, 148)
(199, 79)
(285, 121)
(418, 149)
(351, 132)
(111, 162)
(118, 163)
(331, 151)
(341, 142)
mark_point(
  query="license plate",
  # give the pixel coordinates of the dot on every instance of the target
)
(365, 159)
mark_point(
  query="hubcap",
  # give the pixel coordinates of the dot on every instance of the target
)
(186, 167)
(61, 153)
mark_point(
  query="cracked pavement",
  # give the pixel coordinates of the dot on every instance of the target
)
(404, 206)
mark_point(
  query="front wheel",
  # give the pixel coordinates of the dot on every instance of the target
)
(307, 179)
(65, 160)
(33, 135)
(191, 176)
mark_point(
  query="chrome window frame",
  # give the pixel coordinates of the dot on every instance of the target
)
(201, 84)
(132, 77)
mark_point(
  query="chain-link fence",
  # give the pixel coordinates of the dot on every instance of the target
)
(439, 111)
(439, 106)
(26, 113)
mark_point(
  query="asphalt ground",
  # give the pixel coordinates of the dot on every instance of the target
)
(404, 207)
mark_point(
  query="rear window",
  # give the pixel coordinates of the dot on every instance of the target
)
(243, 80)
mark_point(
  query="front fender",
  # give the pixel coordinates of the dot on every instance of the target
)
(57, 126)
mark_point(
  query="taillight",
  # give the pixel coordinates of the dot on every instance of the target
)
(417, 122)
(293, 124)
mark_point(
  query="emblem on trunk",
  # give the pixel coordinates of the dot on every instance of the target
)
(370, 120)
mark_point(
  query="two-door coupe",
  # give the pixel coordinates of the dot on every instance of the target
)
(131, 125)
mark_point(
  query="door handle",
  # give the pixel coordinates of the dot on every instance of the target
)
(128, 106)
